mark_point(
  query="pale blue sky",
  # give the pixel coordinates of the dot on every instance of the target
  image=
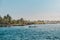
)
(31, 9)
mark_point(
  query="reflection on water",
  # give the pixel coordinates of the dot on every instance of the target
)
(42, 32)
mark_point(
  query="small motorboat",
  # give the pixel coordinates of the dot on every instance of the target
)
(32, 26)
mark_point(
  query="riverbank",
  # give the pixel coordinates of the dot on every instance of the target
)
(9, 25)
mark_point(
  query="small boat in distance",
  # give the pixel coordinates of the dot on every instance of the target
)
(32, 26)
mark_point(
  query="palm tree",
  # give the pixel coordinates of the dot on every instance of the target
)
(22, 21)
(5, 19)
(9, 18)
(0, 19)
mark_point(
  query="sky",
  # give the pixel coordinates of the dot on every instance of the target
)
(31, 9)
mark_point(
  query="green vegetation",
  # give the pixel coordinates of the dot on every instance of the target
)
(8, 21)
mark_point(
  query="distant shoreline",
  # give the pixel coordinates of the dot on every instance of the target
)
(4, 25)
(7, 20)
(18, 25)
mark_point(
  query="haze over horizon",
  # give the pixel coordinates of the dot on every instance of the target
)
(31, 9)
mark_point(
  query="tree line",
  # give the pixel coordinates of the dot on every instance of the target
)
(8, 21)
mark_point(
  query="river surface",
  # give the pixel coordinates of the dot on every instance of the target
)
(40, 32)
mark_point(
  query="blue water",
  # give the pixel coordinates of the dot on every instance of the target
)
(41, 32)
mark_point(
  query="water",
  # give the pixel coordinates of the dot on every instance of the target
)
(41, 32)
